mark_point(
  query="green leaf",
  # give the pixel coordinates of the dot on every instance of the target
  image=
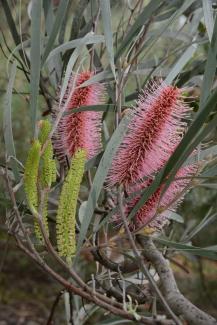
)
(208, 17)
(208, 253)
(102, 76)
(12, 26)
(49, 16)
(20, 47)
(60, 15)
(210, 68)
(35, 58)
(116, 322)
(107, 27)
(186, 4)
(208, 153)
(196, 133)
(54, 66)
(158, 34)
(90, 38)
(210, 172)
(207, 220)
(183, 60)
(209, 185)
(7, 122)
(214, 247)
(146, 14)
(187, 151)
(95, 108)
(176, 217)
(69, 70)
(93, 162)
(100, 176)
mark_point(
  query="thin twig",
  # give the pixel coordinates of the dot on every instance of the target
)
(55, 304)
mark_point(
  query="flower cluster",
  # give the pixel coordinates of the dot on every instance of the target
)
(80, 130)
(156, 128)
(157, 125)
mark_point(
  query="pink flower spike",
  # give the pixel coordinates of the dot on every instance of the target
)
(83, 129)
(155, 130)
(157, 209)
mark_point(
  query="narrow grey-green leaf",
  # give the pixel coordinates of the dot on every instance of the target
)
(61, 11)
(100, 176)
(95, 108)
(210, 68)
(158, 34)
(210, 172)
(176, 217)
(116, 322)
(146, 14)
(49, 16)
(195, 134)
(11, 23)
(207, 220)
(199, 135)
(90, 38)
(209, 185)
(93, 161)
(69, 70)
(208, 153)
(7, 122)
(183, 60)
(107, 27)
(19, 48)
(35, 58)
(208, 17)
(209, 253)
(101, 76)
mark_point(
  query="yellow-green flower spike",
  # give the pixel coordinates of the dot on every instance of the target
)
(65, 221)
(45, 129)
(37, 230)
(48, 163)
(31, 175)
(44, 213)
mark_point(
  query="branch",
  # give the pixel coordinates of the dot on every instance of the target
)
(91, 298)
(142, 265)
(124, 267)
(181, 306)
(56, 301)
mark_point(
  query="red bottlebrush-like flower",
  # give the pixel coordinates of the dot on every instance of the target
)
(157, 209)
(82, 129)
(155, 130)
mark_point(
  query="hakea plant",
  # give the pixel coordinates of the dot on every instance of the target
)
(81, 129)
(156, 128)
